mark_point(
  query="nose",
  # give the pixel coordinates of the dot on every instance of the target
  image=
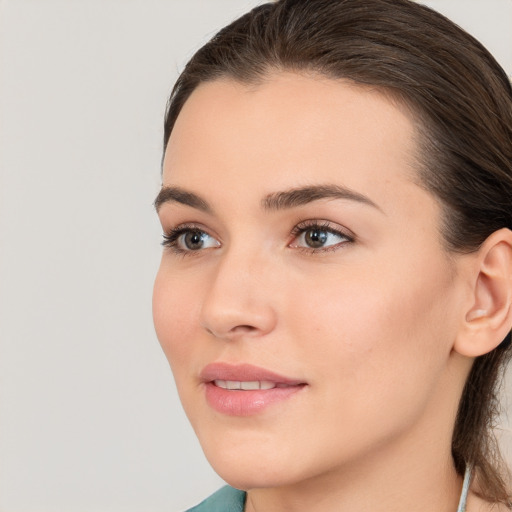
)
(240, 298)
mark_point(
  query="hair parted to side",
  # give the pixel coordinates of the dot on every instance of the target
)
(462, 102)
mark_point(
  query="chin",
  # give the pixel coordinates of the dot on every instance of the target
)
(245, 478)
(249, 466)
(259, 465)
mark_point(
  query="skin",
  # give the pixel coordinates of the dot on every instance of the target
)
(369, 323)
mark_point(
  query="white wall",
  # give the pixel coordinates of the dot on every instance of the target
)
(89, 419)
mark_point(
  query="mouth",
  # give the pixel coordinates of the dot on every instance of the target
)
(246, 390)
(251, 385)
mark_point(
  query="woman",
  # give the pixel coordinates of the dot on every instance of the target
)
(335, 291)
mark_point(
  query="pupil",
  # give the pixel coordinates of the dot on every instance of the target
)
(316, 238)
(193, 240)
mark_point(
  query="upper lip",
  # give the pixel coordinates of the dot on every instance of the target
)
(244, 373)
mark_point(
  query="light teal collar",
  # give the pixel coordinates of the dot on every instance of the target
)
(465, 489)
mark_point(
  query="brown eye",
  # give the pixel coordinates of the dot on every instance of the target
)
(315, 238)
(187, 240)
(318, 237)
(193, 240)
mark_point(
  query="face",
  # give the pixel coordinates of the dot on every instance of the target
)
(304, 299)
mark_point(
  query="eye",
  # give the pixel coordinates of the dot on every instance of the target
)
(318, 236)
(185, 239)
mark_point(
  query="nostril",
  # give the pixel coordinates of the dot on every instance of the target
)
(243, 329)
(238, 330)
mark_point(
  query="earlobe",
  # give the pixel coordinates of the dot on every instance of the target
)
(489, 317)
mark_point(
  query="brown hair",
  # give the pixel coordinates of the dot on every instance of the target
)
(462, 100)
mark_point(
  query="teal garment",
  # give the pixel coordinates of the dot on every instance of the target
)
(226, 499)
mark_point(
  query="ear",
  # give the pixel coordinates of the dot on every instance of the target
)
(488, 319)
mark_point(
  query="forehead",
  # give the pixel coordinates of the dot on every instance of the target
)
(289, 127)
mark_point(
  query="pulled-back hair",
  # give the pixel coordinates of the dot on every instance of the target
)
(462, 104)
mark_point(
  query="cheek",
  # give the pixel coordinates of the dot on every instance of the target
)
(173, 315)
(374, 344)
(376, 325)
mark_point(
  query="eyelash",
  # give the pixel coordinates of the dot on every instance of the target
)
(172, 236)
(326, 226)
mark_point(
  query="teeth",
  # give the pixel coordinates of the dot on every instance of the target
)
(244, 385)
(250, 385)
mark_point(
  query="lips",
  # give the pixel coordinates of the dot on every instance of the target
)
(244, 373)
(245, 390)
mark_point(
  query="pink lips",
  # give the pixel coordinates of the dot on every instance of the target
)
(244, 389)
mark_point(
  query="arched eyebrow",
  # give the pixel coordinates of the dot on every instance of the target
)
(179, 195)
(275, 201)
(304, 195)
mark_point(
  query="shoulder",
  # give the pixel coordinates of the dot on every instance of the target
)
(226, 499)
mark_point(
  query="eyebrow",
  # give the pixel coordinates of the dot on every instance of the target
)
(304, 195)
(275, 201)
(178, 195)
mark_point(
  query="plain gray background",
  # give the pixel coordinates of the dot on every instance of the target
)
(89, 419)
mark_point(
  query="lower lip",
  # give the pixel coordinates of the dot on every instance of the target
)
(246, 403)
